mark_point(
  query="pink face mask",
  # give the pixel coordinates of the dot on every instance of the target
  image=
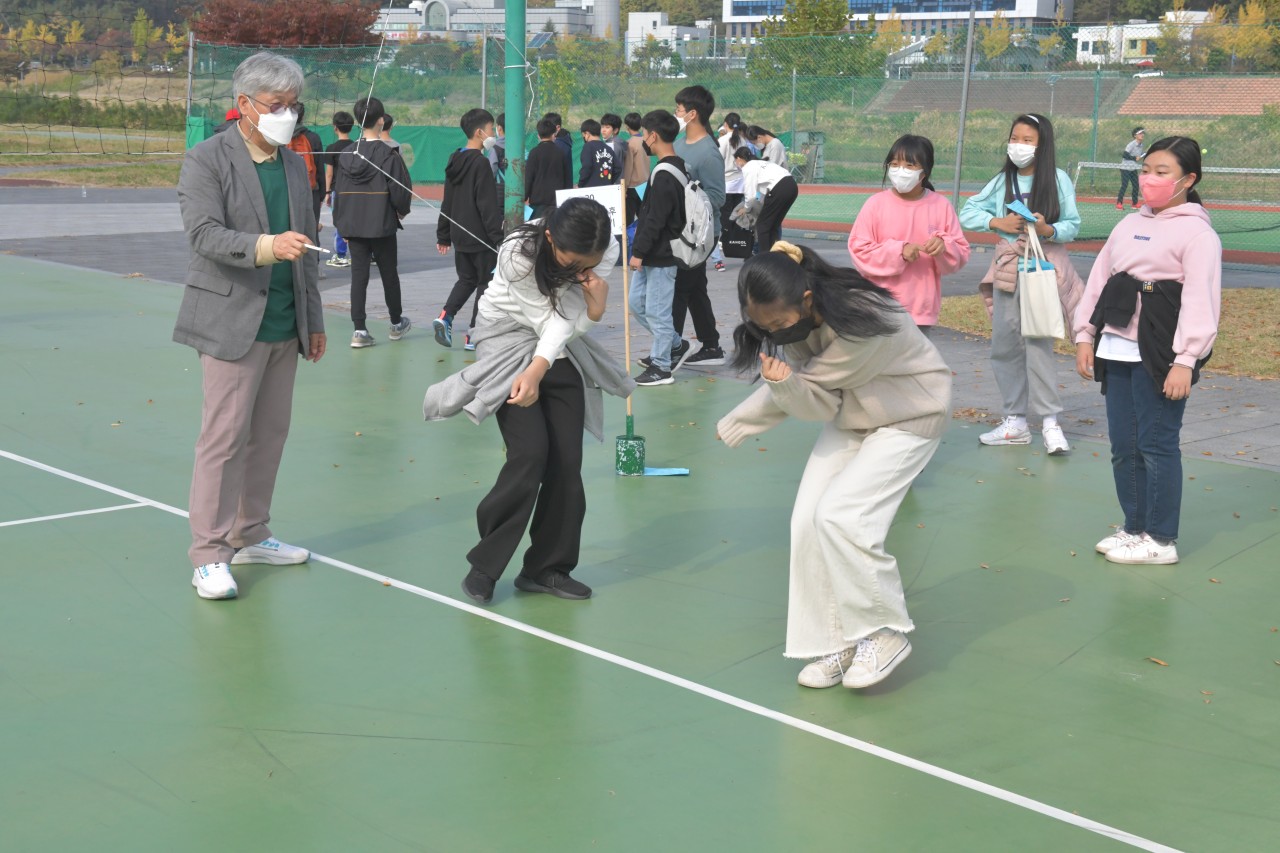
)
(1157, 192)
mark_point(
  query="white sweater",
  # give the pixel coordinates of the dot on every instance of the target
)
(761, 176)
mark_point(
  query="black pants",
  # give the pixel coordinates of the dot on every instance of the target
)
(363, 250)
(776, 205)
(475, 271)
(1127, 177)
(317, 202)
(691, 296)
(542, 477)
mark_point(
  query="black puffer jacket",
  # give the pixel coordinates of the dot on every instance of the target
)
(470, 213)
(366, 202)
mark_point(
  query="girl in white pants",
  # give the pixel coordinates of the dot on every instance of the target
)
(853, 358)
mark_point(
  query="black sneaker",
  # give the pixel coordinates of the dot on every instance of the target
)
(654, 376)
(554, 583)
(678, 356)
(478, 587)
(706, 357)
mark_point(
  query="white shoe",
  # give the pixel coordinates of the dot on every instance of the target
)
(214, 580)
(826, 671)
(1115, 540)
(273, 552)
(877, 656)
(1144, 551)
(1007, 432)
(1055, 443)
(361, 339)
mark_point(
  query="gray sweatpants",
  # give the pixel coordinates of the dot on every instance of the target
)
(1025, 370)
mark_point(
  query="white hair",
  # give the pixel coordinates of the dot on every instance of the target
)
(268, 73)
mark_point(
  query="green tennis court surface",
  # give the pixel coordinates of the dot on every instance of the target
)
(324, 710)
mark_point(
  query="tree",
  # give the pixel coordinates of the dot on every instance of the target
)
(1250, 40)
(557, 84)
(653, 58)
(995, 40)
(175, 39)
(891, 35)
(287, 22)
(591, 56)
(73, 40)
(145, 35)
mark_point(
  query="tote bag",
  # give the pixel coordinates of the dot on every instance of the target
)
(1038, 293)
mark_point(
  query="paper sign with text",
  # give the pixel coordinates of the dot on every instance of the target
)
(610, 197)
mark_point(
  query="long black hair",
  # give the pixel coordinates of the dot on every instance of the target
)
(1187, 152)
(916, 150)
(851, 305)
(1044, 180)
(733, 121)
(580, 225)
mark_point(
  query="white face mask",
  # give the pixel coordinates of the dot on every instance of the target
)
(276, 128)
(1021, 154)
(489, 142)
(904, 180)
(684, 122)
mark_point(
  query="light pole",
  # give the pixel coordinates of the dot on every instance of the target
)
(1053, 78)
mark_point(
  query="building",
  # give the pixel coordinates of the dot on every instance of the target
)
(467, 19)
(1131, 43)
(742, 18)
(685, 41)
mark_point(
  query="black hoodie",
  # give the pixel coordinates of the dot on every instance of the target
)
(366, 202)
(470, 204)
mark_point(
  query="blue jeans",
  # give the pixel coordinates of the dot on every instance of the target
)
(339, 244)
(1144, 427)
(653, 290)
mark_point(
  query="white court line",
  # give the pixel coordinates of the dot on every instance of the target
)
(683, 683)
(70, 514)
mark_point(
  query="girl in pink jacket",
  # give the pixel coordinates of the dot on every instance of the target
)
(907, 237)
(1144, 327)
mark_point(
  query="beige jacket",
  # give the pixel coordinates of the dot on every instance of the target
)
(1003, 273)
(897, 380)
(635, 170)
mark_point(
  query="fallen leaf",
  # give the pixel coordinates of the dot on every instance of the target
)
(985, 566)
(1208, 701)
(1206, 452)
(1207, 692)
(1063, 600)
(1214, 580)
(149, 402)
(1235, 514)
(359, 433)
(336, 465)
(1073, 553)
(117, 423)
(384, 583)
(921, 524)
(982, 481)
(1095, 454)
(1157, 660)
(762, 449)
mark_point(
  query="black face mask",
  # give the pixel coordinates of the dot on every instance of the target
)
(793, 334)
(647, 149)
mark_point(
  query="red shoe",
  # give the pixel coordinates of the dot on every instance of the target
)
(1119, 206)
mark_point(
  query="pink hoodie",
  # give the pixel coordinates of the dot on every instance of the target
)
(885, 223)
(1176, 244)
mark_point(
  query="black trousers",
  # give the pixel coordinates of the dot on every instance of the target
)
(776, 205)
(475, 271)
(542, 478)
(691, 297)
(363, 251)
(1127, 177)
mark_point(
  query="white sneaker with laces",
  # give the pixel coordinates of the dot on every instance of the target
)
(1144, 551)
(273, 552)
(1011, 430)
(826, 671)
(877, 656)
(1115, 540)
(1055, 443)
(214, 581)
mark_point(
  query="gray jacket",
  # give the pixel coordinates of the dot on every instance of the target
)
(224, 212)
(503, 350)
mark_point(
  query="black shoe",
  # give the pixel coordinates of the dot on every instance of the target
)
(555, 583)
(706, 357)
(679, 354)
(654, 376)
(478, 587)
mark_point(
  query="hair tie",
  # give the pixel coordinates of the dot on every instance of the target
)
(791, 250)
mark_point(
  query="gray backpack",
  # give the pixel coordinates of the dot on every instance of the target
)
(696, 240)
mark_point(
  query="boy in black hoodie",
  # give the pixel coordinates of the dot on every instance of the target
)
(470, 221)
(371, 196)
(598, 166)
(545, 172)
(662, 218)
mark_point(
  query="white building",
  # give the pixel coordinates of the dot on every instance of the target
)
(1132, 42)
(466, 19)
(641, 26)
(920, 17)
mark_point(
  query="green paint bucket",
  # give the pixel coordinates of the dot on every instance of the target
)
(629, 461)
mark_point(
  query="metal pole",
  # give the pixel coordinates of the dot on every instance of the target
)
(514, 67)
(964, 110)
(484, 67)
(191, 63)
(1097, 91)
(793, 111)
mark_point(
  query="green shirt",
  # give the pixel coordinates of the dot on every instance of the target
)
(279, 323)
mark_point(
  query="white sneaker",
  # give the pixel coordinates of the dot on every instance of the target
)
(1144, 551)
(361, 339)
(877, 656)
(1054, 441)
(273, 552)
(214, 581)
(826, 671)
(1115, 540)
(1007, 432)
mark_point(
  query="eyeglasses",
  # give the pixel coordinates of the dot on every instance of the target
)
(275, 109)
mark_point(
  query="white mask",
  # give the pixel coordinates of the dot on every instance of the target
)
(1021, 154)
(276, 128)
(489, 142)
(684, 122)
(904, 180)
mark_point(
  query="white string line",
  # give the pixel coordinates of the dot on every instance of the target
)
(975, 785)
(70, 514)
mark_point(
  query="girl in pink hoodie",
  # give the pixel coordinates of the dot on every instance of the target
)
(1144, 327)
(907, 237)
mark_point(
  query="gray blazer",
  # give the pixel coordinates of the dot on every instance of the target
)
(224, 212)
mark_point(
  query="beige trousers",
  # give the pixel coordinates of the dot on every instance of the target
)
(247, 406)
(843, 584)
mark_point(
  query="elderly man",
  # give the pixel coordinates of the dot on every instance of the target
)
(251, 306)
